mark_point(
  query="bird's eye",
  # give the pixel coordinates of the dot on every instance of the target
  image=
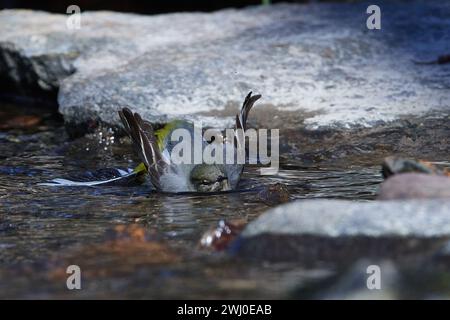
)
(219, 179)
(208, 182)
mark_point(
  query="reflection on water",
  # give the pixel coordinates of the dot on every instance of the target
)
(40, 224)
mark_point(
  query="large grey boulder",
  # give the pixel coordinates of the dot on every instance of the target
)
(316, 230)
(317, 60)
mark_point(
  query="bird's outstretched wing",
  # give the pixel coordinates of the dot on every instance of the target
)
(101, 177)
(144, 140)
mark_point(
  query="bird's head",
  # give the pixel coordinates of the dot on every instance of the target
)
(209, 178)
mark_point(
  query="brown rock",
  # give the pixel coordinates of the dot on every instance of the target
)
(221, 236)
(415, 186)
(126, 248)
(274, 194)
(18, 121)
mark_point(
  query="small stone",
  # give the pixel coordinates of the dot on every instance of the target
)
(274, 194)
(415, 186)
(131, 232)
(395, 165)
(221, 236)
(18, 121)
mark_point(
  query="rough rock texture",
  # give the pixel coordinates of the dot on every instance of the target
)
(318, 60)
(333, 218)
(415, 186)
(338, 230)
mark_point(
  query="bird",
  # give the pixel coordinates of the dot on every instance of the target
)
(155, 146)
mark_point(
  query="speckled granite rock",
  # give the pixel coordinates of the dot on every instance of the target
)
(319, 60)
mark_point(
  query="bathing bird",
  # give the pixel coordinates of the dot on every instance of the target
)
(155, 147)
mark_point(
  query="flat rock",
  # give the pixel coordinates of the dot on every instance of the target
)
(334, 218)
(415, 186)
(318, 61)
(318, 230)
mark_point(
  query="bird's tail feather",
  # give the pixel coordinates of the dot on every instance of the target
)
(241, 118)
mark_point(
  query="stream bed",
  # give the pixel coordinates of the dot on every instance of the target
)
(44, 229)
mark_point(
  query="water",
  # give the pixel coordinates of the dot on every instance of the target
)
(44, 228)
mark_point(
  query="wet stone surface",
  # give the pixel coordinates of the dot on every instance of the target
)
(316, 60)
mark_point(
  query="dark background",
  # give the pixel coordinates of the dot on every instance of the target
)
(138, 6)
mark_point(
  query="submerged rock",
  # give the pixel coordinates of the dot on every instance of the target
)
(124, 249)
(336, 230)
(19, 122)
(274, 194)
(319, 60)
